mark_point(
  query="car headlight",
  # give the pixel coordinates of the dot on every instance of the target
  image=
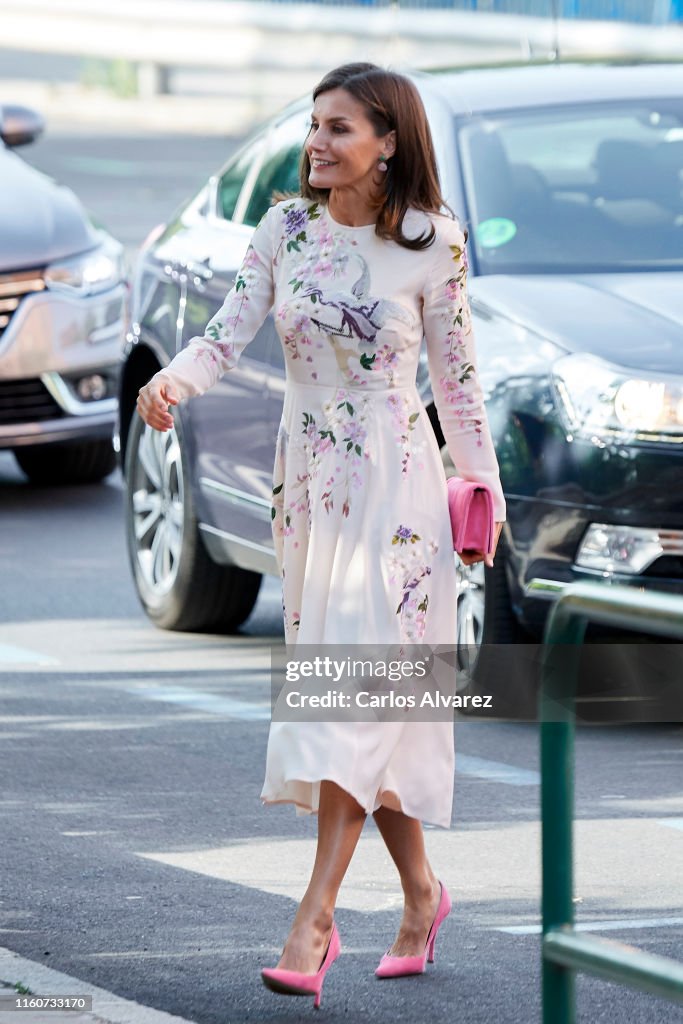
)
(612, 548)
(90, 272)
(601, 402)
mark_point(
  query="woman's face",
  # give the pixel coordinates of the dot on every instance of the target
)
(342, 146)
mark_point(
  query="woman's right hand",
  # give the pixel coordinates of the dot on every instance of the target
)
(153, 402)
(470, 557)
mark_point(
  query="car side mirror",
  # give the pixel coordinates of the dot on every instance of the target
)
(20, 125)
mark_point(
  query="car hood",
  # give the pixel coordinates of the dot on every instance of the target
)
(632, 320)
(40, 221)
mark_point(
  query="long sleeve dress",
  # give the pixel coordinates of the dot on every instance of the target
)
(359, 509)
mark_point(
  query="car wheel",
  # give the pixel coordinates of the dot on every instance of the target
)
(495, 656)
(83, 462)
(179, 585)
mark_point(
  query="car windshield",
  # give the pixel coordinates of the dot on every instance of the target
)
(581, 189)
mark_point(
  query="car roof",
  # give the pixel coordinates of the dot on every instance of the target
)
(487, 89)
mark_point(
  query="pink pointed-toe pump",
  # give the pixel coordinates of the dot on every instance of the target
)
(397, 966)
(295, 983)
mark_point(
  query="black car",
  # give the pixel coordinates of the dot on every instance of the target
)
(569, 178)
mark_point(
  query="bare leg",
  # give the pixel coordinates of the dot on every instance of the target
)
(340, 823)
(405, 841)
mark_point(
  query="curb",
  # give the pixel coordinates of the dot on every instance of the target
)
(107, 1007)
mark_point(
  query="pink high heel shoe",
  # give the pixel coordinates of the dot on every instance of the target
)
(295, 983)
(396, 966)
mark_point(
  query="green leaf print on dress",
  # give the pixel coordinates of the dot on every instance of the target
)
(296, 222)
(334, 448)
(231, 314)
(341, 440)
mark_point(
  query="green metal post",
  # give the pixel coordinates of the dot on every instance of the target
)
(563, 639)
(563, 952)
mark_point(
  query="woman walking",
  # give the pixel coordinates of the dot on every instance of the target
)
(358, 269)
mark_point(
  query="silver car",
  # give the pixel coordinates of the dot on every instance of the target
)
(62, 320)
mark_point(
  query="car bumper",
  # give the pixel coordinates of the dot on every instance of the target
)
(56, 332)
(53, 341)
(539, 593)
(94, 426)
(539, 589)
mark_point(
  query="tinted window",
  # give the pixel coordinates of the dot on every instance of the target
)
(280, 170)
(232, 179)
(590, 187)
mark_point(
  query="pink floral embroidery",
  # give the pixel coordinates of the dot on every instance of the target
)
(459, 369)
(411, 571)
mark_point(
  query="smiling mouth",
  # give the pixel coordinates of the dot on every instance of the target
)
(322, 163)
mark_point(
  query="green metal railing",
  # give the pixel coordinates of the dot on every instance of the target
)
(564, 951)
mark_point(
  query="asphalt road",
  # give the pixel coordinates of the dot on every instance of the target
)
(136, 854)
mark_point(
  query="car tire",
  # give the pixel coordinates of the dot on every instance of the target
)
(496, 657)
(83, 462)
(179, 586)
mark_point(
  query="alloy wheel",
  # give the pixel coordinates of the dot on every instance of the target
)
(470, 613)
(158, 508)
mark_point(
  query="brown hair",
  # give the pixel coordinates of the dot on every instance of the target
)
(392, 103)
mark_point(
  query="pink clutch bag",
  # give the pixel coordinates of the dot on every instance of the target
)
(471, 510)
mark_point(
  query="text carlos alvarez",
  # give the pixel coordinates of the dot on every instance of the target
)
(365, 699)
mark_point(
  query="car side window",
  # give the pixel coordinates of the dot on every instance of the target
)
(280, 169)
(231, 181)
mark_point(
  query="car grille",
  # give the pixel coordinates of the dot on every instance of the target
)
(13, 288)
(24, 401)
(667, 566)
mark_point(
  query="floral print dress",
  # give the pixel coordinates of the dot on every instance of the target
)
(359, 510)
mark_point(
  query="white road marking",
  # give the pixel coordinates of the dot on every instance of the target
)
(509, 870)
(622, 924)
(465, 764)
(85, 648)
(495, 771)
(94, 832)
(257, 863)
(11, 655)
(230, 706)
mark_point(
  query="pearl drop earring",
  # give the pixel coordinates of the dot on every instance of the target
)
(382, 163)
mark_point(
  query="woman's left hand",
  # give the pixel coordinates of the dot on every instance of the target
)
(468, 557)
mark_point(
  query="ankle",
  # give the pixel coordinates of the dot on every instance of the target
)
(319, 920)
(421, 890)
